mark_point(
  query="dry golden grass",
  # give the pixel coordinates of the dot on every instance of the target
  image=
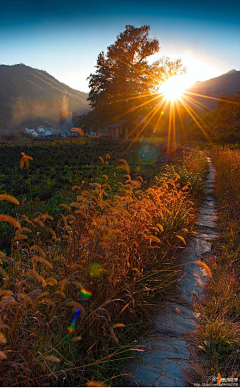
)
(205, 266)
(218, 336)
(121, 247)
(227, 162)
(25, 160)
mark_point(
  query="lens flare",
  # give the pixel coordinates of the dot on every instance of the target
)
(95, 269)
(79, 130)
(111, 235)
(148, 153)
(70, 329)
(85, 293)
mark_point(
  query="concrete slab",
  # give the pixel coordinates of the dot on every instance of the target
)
(143, 375)
(192, 288)
(209, 186)
(195, 248)
(209, 211)
(209, 191)
(172, 375)
(210, 179)
(171, 323)
(208, 204)
(207, 217)
(207, 234)
(202, 247)
(209, 198)
(203, 221)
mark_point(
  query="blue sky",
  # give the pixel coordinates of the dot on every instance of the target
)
(64, 37)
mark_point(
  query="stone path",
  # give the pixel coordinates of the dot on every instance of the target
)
(167, 357)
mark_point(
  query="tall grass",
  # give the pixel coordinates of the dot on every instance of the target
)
(191, 171)
(108, 256)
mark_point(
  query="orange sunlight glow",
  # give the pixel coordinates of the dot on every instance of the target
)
(175, 86)
(172, 97)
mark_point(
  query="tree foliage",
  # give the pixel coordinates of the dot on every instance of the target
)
(223, 123)
(124, 83)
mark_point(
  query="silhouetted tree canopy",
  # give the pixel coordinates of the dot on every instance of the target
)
(125, 84)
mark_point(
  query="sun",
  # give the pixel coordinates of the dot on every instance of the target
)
(173, 88)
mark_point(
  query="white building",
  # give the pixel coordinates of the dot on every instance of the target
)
(29, 130)
(41, 129)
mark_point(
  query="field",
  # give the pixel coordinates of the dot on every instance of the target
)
(91, 233)
(58, 166)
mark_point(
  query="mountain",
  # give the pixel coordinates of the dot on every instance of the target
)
(31, 97)
(228, 84)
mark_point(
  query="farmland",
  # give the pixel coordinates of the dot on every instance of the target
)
(58, 166)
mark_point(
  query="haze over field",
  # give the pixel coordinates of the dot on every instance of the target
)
(31, 97)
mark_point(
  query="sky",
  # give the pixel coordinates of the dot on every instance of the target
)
(64, 37)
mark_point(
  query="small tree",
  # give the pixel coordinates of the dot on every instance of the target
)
(124, 83)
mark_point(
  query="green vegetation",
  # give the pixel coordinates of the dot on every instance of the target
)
(223, 123)
(108, 253)
(220, 125)
(191, 172)
(58, 166)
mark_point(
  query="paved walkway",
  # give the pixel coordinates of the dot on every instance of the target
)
(167, 358)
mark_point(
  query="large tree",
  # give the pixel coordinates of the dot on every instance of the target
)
(124, 83)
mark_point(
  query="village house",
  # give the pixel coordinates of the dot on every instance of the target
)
(41, 130)
(125, 129)
(29, 130)
(118, 130)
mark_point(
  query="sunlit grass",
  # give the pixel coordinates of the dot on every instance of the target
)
(109, 255)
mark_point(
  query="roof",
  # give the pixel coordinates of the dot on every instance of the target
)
(118, 124)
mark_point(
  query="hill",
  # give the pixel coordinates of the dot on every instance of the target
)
(31, 97)
(228, 84)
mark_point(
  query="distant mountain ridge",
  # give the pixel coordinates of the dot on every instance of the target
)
(228, 83)
(32, 97)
